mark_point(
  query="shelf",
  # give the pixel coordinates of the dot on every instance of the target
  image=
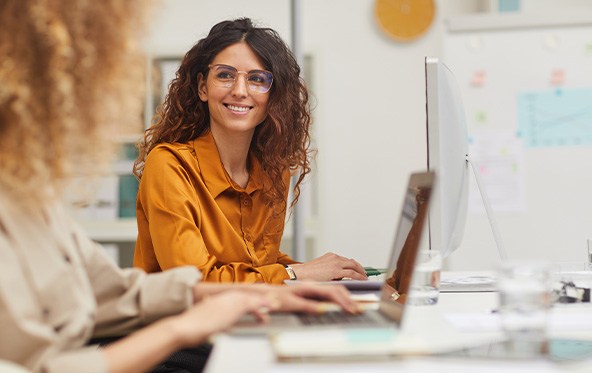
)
(118, 230)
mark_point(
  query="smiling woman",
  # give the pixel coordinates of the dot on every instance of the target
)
(215, 168)
(236, 105)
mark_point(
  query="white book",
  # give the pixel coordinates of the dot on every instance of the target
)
(106, 202)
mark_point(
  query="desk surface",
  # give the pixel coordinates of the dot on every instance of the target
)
(254, 354)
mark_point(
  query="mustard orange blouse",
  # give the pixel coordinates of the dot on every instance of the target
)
(190, 212)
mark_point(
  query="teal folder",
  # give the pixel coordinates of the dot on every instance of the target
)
(128, 189)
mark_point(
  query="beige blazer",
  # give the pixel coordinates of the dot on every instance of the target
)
(58, 289)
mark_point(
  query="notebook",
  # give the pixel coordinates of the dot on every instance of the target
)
(459, 282)
(386, 319)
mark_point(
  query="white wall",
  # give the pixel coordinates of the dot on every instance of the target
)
(552, 219)
(370, 122)
(370, 104)
(179, 24)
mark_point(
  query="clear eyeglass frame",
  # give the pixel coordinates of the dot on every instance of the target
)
(258, 81)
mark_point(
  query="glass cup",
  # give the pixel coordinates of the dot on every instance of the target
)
(589, 256)
(425, 285)
(524, 300)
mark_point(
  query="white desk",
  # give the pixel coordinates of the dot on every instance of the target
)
(253, 354)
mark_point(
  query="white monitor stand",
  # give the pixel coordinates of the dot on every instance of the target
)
(492, 222)
(477, 283)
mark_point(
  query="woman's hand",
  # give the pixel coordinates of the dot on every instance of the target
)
(301, 297)
(311, 298)
(217, 313)
(329, 267)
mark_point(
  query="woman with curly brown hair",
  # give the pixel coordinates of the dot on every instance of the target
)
(215, 168)
(69, 76)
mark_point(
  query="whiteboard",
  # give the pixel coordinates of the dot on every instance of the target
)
(527, 89)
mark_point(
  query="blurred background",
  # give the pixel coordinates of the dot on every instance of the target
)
(364, 63)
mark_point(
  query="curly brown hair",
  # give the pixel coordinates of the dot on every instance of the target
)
(281, 142)
(69, 72)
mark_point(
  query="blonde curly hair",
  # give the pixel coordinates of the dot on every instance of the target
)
(71, 72)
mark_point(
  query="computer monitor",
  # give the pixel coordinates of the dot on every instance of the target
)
(447, 147)
(448, 157)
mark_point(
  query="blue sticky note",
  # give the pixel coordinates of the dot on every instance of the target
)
(368, 335)
(555, 117)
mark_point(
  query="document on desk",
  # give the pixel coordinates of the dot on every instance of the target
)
(418, 364)
(488, 322)
(474, 322)
(459, 282)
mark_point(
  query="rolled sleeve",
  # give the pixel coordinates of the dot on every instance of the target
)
(274, 274)
(129, 298)
(136, 299)
(167, 293)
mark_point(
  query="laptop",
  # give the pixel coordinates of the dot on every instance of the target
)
(387, 317)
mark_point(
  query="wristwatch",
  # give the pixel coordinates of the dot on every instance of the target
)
(291, 272)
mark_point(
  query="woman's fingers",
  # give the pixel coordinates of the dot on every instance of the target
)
(315, 298)
(337, 294)
(356, 266)
(329, 267)
(349, 268)
(352, 274)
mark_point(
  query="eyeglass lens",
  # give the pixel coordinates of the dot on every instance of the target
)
(257, 80)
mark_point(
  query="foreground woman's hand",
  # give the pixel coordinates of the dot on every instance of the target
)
(217, 313)
(155, 342)
(311, 298)
(301, 297)
(217, 308)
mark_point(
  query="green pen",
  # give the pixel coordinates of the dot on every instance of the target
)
(371, 271)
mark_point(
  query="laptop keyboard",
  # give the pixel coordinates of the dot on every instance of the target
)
(336, 318)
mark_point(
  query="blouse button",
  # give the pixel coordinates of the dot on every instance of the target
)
(246, 202)
(67, 258)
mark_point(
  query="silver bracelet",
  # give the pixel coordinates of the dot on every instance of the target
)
(291, 272)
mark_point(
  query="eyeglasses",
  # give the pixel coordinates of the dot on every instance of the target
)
(257, 80)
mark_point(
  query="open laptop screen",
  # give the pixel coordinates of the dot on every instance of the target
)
(406, 245)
